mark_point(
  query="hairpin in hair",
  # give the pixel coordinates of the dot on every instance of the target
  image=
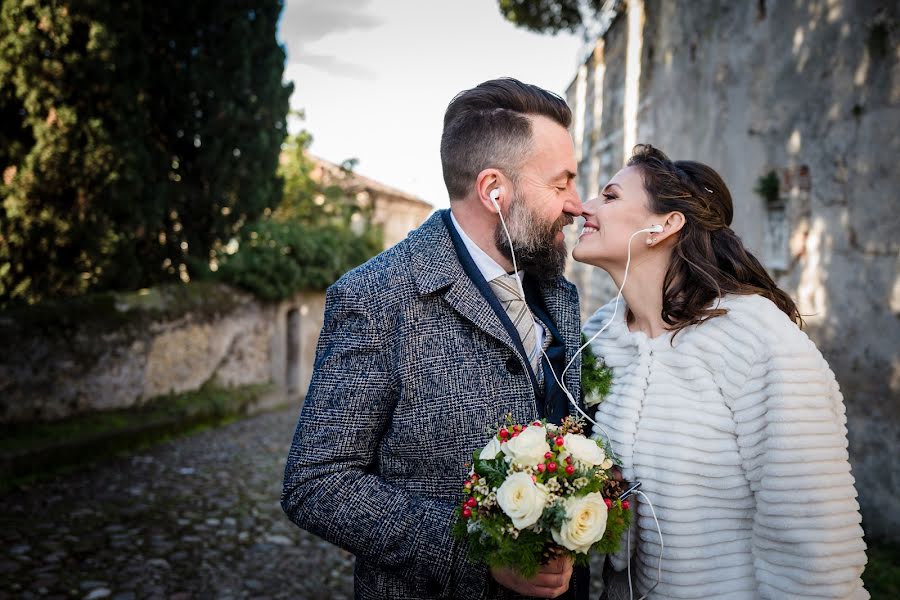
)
(707, 189)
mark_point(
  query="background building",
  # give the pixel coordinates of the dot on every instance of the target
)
(395, 211)
(804, 96)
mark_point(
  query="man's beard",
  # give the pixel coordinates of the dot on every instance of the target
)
(537, 251)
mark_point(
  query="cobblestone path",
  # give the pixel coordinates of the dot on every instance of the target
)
(195, 518)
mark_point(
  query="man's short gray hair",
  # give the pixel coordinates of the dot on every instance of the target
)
(488, 127)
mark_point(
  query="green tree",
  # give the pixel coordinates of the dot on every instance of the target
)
(310, 239)
(136, 138)
(326, 199)
(547, 16)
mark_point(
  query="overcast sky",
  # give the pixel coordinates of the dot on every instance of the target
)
(375, 77)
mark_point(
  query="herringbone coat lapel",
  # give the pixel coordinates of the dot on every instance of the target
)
(436, 268)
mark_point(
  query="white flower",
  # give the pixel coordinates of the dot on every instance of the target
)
(528, 448)
(592, 399)
(584, 449)
(521, 500)
(491, 450)
(585, 523)
(606, 464)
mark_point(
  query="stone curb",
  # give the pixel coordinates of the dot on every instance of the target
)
(59, 454)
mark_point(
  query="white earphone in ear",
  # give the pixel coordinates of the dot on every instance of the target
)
(495, 193)
(655, 229)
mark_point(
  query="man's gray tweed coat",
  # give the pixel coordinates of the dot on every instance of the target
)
(411, 366)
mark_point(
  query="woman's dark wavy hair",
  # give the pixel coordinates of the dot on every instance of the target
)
(708, 259)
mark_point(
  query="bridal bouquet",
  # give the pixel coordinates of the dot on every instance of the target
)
(538, 491)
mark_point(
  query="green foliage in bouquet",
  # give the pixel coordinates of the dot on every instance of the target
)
(596, 377)
(617, 524)
(529, 549)
(495, 548)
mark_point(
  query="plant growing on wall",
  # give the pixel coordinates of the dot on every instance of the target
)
(768, 187)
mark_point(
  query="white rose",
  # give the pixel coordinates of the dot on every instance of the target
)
(491, 450)
(583, 449)
(585, 523)
(592, 399)
(522, 500)
(528, 448)
(606, 465)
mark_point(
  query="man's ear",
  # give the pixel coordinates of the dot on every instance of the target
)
(489, 184)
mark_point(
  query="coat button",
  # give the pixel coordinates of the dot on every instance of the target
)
(513, 366)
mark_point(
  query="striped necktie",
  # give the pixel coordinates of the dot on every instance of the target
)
(506, 289)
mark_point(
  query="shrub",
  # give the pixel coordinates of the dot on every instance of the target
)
(277, 259)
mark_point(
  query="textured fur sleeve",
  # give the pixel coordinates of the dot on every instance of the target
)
(791, 429)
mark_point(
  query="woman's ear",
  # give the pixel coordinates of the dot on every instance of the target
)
(673, 223)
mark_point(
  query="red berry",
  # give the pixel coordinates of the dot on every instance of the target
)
(537, 423)
(608, 502)
(548, 455)
(504, 434)
(541, 467)
(517, 428)
(468, 485)
(625, 504)
(474, 476)
(552, 467)
(559, 440)
(466, 513)
(570, 469)
(472, 502)
(568, 460)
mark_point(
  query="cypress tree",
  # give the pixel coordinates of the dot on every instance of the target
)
(137, 137)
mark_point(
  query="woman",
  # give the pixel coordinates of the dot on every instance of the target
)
(722, 408)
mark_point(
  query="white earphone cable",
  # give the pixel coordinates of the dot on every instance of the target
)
(661, 548)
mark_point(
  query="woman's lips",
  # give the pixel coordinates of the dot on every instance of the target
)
(589, 229)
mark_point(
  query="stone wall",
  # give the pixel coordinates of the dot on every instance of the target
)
(121, 350)
(809, 91)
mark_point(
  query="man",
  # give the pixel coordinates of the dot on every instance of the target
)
(423, 348)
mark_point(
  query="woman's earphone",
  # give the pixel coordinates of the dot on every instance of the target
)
(652, 229)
